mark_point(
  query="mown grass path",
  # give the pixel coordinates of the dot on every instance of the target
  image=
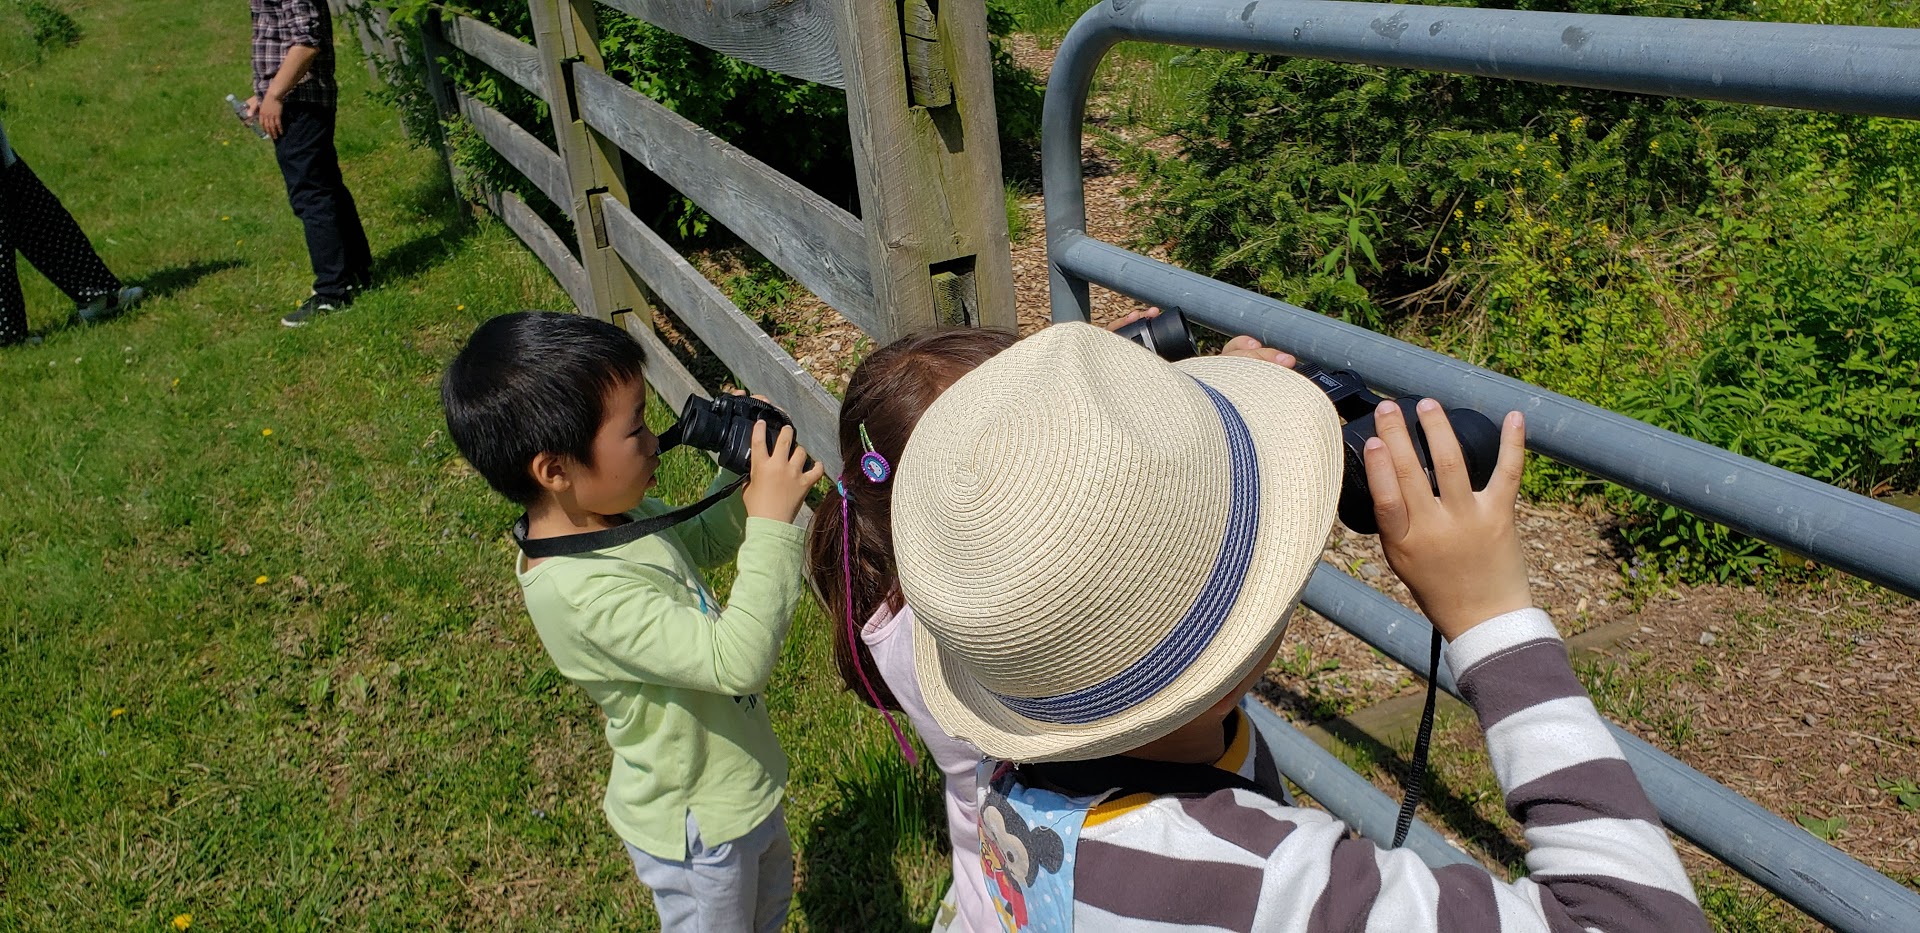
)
(261, 657)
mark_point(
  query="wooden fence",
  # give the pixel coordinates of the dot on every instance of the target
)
(929, 248)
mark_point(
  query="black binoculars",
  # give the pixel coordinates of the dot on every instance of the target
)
(1167, 336)
(724, 425)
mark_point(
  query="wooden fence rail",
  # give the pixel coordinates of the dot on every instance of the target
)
(930, 248)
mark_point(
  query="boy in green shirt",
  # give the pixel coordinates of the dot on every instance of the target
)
(549, 408)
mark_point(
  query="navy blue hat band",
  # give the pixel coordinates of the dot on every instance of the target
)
(1184, 643)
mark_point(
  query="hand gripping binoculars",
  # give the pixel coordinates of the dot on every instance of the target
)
(724, 426)
(1167, 335)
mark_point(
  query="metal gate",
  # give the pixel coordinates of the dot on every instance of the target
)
(1847, 69)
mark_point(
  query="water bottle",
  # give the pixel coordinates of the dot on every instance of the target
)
(240, 110)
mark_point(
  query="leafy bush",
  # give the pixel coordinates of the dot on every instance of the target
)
(1737, 274)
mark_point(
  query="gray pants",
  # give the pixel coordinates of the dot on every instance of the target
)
(743, 886)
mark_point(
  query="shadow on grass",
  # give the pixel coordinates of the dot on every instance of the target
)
(451, 224)
(161, 283)
(852, 880)
(1439, 803)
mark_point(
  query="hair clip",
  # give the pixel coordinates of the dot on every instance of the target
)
(872, 465)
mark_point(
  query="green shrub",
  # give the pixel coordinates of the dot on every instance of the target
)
(1737, 274)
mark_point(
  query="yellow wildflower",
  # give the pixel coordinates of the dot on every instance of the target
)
(459, 307)
(1519, 190)
(266, 432)
(1459, 214)
(1479, 205)
(183, 921)
(118, 712)
(1655, 145)
(1546, 163)
(1553, 137)
(1520, 149)
(260, 580)
(1516, 173)
(1446, 250)
(226, 218)
(1575, 123)
(1466, 246)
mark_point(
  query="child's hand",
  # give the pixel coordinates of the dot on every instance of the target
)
(778, 482)
(1250, 348)
(1458, 552)
(1136, 315)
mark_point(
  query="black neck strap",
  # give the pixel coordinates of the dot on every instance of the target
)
(538, 548)
(1129, 775)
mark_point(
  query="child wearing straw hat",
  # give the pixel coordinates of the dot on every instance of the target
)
(851, 564)
(1102, 551)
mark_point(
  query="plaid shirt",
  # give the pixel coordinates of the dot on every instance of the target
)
(281, 24)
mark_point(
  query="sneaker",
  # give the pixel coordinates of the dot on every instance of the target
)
(109, 304)
(313, 307)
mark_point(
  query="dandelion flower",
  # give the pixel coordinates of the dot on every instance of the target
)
(266, 432)
(459, 307)
(183, 921)
(118, 712)
(260, 580)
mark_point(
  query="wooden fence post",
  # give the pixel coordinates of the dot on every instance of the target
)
(568, 31)
(919, 81)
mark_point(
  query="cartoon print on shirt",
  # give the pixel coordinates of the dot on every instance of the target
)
(1013, 854)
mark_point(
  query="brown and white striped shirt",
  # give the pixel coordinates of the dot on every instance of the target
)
(1234, 860)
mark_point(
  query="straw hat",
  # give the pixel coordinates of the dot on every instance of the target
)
(1098, 545)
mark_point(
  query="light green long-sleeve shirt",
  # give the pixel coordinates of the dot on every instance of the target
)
(678, 675)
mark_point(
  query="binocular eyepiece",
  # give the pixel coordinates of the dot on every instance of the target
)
(1167, 335)
(724, 425)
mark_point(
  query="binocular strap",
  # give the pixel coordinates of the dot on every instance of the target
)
(538, 548)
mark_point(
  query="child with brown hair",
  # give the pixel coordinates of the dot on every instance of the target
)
(851, 563)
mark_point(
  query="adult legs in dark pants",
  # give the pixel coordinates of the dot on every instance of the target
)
(33, 222)
(336, 243)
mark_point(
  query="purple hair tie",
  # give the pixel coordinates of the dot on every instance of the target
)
(846, 570)
(872, 465)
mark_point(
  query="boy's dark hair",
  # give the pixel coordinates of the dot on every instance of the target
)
(533, 382)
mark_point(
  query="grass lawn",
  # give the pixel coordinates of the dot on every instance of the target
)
(261, 657)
